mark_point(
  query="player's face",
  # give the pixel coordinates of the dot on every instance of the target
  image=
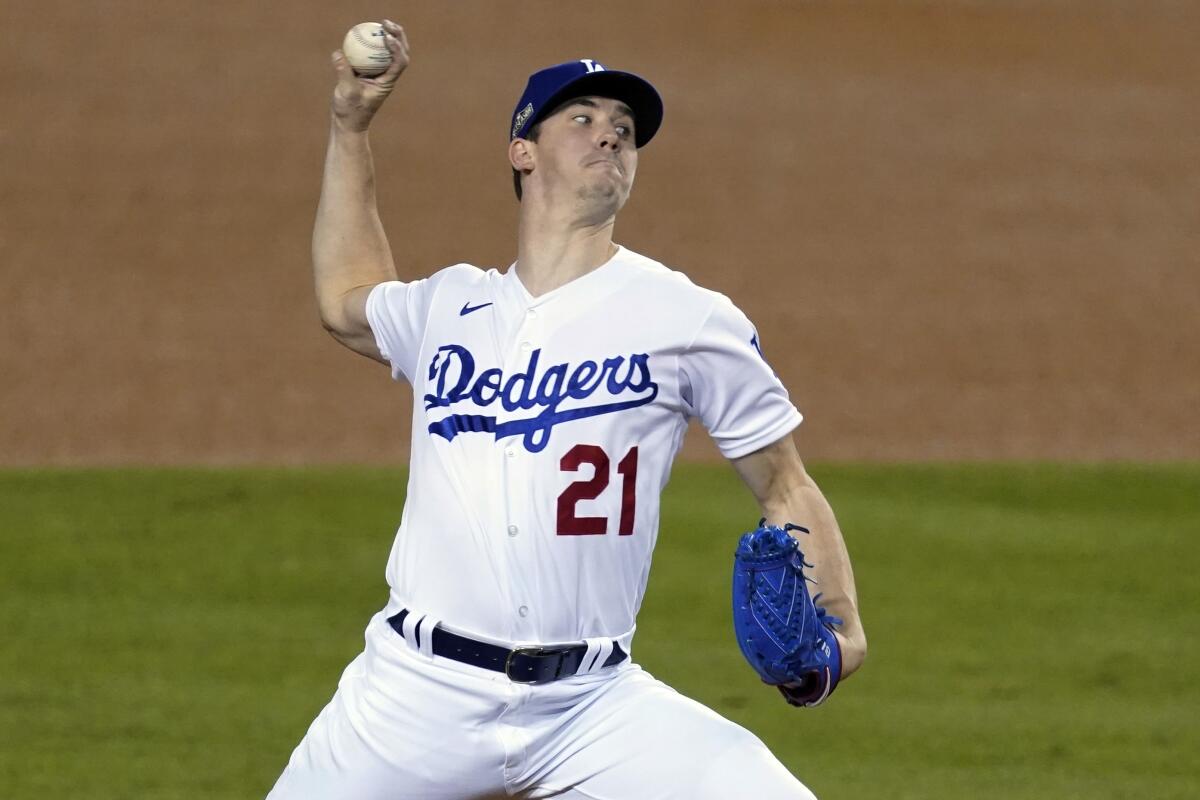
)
(587, 146)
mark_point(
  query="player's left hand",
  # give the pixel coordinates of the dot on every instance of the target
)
(356, 99)
(787, 638)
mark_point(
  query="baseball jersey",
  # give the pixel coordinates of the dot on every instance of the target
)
(543, 433)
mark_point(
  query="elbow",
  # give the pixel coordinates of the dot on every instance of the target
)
(329, 323)
(332, 316)
(336, 328)
(343, 312)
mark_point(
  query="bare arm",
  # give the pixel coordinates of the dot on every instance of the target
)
(786, 493)
(349, 248)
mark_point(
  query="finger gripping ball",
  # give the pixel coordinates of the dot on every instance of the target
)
(366, 49)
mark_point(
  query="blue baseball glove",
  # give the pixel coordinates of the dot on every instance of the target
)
(781, 630)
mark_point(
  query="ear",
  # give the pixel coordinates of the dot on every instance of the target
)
(520, 154)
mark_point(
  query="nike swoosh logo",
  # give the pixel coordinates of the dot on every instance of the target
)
(468, 308)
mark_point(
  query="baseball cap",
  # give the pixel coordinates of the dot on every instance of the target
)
(550, 87)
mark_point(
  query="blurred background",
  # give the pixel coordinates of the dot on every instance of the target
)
(965, 230)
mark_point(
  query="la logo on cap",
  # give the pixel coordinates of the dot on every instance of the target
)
(592, 66)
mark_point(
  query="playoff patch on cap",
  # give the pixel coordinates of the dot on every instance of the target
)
(550, 87)
(520, 119)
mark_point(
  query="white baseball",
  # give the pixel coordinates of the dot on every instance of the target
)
(366, 50)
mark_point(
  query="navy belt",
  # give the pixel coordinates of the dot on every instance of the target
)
(522, 665)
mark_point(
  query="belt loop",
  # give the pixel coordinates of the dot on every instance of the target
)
(598, 651)
(425, 635)
(589, 656)
(409, 630)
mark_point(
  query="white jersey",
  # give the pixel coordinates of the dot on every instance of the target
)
(543, 433)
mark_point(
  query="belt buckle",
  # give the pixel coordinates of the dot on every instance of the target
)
(534, 652)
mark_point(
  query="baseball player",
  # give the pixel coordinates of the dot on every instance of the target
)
(550, 400)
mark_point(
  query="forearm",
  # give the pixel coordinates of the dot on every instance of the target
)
(349, 247)
(802, 503)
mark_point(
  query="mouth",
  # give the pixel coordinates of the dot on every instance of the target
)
(607, 162)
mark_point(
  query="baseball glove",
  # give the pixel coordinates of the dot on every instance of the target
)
(781, 630)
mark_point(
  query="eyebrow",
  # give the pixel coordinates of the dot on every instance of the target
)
(622, 109)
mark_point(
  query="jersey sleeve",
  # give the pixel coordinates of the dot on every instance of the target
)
(398, 313)
(728, 384)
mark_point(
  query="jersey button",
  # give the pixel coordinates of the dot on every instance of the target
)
(510, 452)
(513, 530)
(523, 611)
(526, 346)
(531, 314)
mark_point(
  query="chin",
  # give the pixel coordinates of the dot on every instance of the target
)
(603, 196)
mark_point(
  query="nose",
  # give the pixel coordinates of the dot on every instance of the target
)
(610, 141)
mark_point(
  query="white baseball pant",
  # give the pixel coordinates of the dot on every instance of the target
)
(408, 726)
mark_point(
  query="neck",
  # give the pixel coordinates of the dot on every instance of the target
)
(554, 249)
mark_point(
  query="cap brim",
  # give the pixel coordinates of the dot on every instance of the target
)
(632, 90)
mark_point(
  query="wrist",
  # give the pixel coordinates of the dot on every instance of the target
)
(347, 126)
(852, 647)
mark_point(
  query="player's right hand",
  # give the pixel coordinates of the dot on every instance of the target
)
(355, 98)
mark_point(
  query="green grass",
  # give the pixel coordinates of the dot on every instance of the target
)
(1034, 629)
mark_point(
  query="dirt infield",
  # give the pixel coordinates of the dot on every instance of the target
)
(965, 230)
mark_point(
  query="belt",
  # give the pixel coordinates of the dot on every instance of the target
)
(532, 665)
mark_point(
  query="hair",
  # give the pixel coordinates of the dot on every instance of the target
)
(534, 131)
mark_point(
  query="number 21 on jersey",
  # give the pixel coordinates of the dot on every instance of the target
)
(569, 522)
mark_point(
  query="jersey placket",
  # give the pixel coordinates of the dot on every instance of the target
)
(518, 468)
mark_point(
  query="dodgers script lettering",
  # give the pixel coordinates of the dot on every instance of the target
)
(587, 388)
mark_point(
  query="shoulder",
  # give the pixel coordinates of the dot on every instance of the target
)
(461, 275)
(665, 281)
(456, 275)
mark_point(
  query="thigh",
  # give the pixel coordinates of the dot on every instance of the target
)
(332, 760)
(639, 738)
(399, 728)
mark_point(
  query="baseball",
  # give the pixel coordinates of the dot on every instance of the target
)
(366, 50)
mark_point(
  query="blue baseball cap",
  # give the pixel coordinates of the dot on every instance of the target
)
(550, 87)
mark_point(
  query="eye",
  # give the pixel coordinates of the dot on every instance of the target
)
(624, 131)
(583, 117)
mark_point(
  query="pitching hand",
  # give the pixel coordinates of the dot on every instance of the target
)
(355, 98)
